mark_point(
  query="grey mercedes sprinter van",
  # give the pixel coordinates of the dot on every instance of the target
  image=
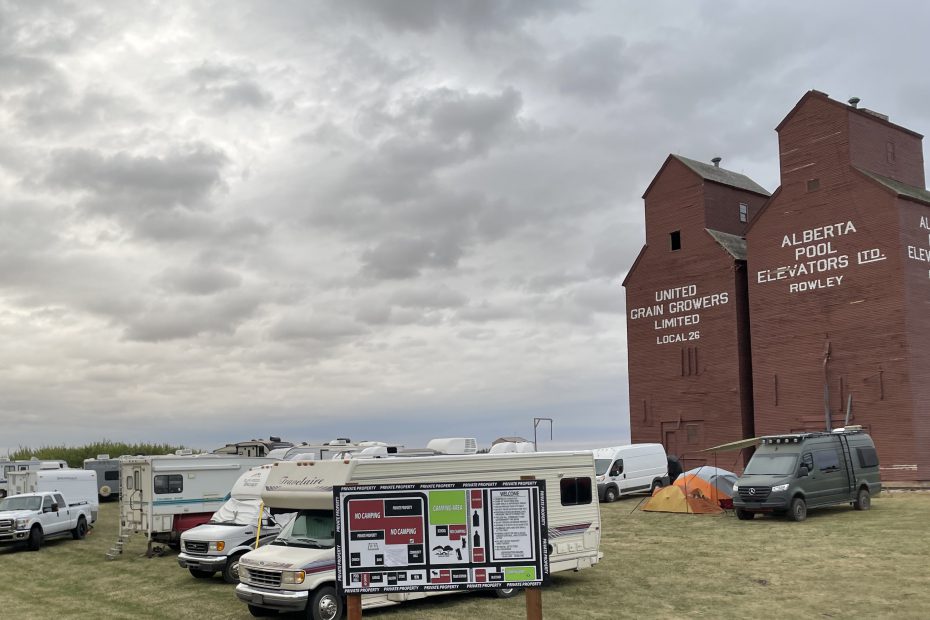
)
(790, 473)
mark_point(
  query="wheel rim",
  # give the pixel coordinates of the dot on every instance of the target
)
(234, 569)
(328, 607)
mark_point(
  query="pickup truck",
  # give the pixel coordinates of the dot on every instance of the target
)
(30, 517)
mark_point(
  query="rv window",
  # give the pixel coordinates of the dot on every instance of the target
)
(827, 460)
(129, 482)
(867, 457)
(575, 491)
(169, 483)
(111, 475)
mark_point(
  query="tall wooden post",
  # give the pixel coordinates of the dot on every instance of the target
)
(354, 606)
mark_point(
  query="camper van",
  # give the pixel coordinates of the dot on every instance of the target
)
(240, 525)
(291, 574)
(33, 464)
(789, 474)
(107, 475)
(77, 485)
(163, 496)
(636, 468)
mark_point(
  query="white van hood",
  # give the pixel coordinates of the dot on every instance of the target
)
(290, 558)
(208, 532)
(18, 514)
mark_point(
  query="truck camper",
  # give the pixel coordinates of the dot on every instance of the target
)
(298, 573)
(33, 464)
(240, 525)
(107, 475)
(77, 485)
(163, 496)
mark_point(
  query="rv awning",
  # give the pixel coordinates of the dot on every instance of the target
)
(734, 445)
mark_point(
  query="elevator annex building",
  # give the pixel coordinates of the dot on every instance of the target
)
(751, 314)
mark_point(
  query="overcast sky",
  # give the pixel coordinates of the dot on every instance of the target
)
(377, 219)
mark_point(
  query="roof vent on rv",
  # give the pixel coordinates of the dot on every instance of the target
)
(102, 457)
(854, 101)
(341, 441)
(454, 445)
(273, 438)
(716, 161)
(183, 452)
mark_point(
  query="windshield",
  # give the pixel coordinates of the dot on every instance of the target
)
(310, 528)
(771, 464)
(601, 465)
(32, 502)
(237, 512)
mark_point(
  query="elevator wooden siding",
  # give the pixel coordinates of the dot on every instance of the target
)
(863, 299)
(690, 384)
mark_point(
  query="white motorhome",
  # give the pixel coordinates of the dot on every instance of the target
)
(33, 464)
(165, 495)
(635, 468)
(107, 475)
(77, 485)
(240, 525)
(336, 448)
(293, 573)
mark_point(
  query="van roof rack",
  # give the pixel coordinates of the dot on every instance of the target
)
(797, 437)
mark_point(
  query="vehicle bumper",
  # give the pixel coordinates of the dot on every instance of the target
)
(14, 536)
(201, 562)
(285, 600)
(770, 504)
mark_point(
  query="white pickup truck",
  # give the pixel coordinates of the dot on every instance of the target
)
(31, 517)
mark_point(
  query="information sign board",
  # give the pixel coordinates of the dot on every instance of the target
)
(441, 536)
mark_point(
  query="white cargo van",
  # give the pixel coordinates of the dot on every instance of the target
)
(636, 468)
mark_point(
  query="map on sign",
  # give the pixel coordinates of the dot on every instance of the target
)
(440, 536)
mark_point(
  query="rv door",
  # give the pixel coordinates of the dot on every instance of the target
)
(133, 489)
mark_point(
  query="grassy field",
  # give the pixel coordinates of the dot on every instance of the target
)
(839, 563)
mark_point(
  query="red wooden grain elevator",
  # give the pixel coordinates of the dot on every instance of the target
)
(687, 315)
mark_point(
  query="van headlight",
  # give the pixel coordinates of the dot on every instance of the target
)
(243, 573)
(217, 545)
(22, 524)
(735, 488)
(779, 487)
(293, 576)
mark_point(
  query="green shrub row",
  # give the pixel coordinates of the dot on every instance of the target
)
(75, 455)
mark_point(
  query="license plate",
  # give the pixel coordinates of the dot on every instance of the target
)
(258, 599)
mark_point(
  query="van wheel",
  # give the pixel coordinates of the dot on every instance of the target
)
(798, 511)
(863, 500)
(610, 495)
(231, 570)
(506, 592)
(80, 530)
(325, 605)
(34, 542)
(201, 574)
(656, 484)
(745, 515)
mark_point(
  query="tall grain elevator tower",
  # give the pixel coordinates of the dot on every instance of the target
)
(839, 284)
(687, 314)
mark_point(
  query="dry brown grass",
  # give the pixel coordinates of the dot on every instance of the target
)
(839, 563)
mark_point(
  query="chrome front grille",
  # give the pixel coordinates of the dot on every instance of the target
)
(195, 546)
(754, 494)
(267, 578)
(6, 525)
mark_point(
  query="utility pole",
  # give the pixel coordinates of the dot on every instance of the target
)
(536, 422)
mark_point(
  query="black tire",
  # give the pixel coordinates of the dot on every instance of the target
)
(745, 515)
(611, 494)
(507, 592)
(201, 574)
(656, 484)
(325, 604)
(34, 542)
(261, 612)
(863, 500)
(798, 509)
(80, 530)
(231, 570)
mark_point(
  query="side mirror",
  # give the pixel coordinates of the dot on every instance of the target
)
(804, 471)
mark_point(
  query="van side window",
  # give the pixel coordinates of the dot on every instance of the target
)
(169, 483)
(808, 460)
(827, 460)
(575, 491)
(868, 457)
(617, 469)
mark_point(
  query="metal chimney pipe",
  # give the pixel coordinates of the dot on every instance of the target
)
(854, 102)
(716, 161)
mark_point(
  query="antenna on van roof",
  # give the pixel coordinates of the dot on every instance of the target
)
(848, 410)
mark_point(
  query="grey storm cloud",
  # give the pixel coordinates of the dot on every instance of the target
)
(403, 258)
(199, 280)
(228, 87)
